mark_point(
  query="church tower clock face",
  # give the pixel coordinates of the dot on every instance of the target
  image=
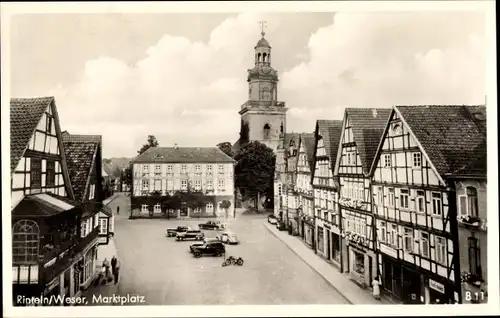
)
(264, 116)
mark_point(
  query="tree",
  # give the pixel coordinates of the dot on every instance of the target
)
(244, 132)
(152, 142)
(127, 175)
(226, 147)
(225, 204)
(254, 170)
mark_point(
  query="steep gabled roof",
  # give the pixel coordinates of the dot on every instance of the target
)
(307, 139)
(183, 155)
(367, 125)
(25, 113)
(81, 152)
(453, 137)
(330, 131)
(43, 205)
(289, 137)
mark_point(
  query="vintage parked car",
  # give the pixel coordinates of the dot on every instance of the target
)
(205, 241)
(211, 225)
(210, 248)
(190, 235)
(228, 238)
(173, 232)
(272, 219)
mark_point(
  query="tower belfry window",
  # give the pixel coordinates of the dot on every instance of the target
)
(264, 57)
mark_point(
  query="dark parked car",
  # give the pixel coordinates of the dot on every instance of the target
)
(211, 225)
(210, 248)
(190, 235)
(179, 229)
(281, 226)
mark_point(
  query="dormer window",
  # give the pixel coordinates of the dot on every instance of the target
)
(396, 129)
(158, 156)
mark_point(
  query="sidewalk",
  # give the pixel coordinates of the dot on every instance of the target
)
(352, 293)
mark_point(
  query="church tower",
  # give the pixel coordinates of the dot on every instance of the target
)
(263, 117)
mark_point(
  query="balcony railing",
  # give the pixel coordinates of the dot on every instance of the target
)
(76, 246)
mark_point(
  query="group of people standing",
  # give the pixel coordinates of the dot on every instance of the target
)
(110, 271)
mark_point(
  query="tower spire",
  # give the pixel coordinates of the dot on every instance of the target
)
(262, 26)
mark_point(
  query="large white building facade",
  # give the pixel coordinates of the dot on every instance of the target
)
(162, 172)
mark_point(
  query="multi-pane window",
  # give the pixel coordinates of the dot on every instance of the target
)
(380, 196)
(220, 184)
(408, 240)
(221, 168)
(209, 169)
(183, 169)
(36, 173)
(417, 160)
(170, 185)
(441, 250)
(420, 201)
(50, 178)
(25, 241)
(394, 235)
(210, 207)
(145, 170)
(144, 208)
(157, 208)
(145, 187)
(474, 257)
(184, 184)
(468, 203)
(210, 185)
(387, 161)
(103, 226)
(424, 244)
(157, 170)
(170, 169)
(197, 185)
(391, 197)
(157, 185)
(404, 198)
(383, 231)
(197, 169)
(436, 204)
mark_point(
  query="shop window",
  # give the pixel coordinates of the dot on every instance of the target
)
(321, 246)
(359, 263)
(25, 241)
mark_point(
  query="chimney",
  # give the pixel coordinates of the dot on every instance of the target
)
(374, 113)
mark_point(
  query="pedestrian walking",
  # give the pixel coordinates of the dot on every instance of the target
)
(117, 273)
(376, 287)
(118, 210)
(105, 264)
(114, 261)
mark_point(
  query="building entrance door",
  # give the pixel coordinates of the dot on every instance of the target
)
(184, 210)
(328, 245)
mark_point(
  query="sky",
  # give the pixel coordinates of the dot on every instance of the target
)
(182, 76)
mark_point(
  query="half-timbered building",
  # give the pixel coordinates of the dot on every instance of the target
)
(291, 202)
(361, 132)
(415, 201)
(303, 187)
(47, 235)
(325, 187)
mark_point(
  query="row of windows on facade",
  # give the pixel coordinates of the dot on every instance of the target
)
(209, 208)
(416, 160)
(184, 185)
(26, 237)
(184, 169)
(412, 244)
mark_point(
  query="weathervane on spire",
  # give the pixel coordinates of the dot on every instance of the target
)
(262, 26)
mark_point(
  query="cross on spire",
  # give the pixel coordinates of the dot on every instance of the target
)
(262, 26)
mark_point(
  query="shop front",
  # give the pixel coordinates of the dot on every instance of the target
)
(438, 290)
(308, 230)
(360, 264)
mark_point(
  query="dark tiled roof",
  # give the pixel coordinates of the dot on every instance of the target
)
(330, 131)
(289, 137)
(307, 139)
(25, 113)
(80, 155)
(454, 137)
(368, 125)
(183, 155)
(37, 206)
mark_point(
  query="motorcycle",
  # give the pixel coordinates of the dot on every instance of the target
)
(233, 261)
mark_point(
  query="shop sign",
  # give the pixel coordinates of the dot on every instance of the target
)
(436, 286)
(388, 250)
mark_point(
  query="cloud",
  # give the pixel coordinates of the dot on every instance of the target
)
(190, 92)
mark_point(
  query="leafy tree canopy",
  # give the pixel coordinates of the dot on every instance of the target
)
(226, 147)
(152, 142)
(254, 170)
